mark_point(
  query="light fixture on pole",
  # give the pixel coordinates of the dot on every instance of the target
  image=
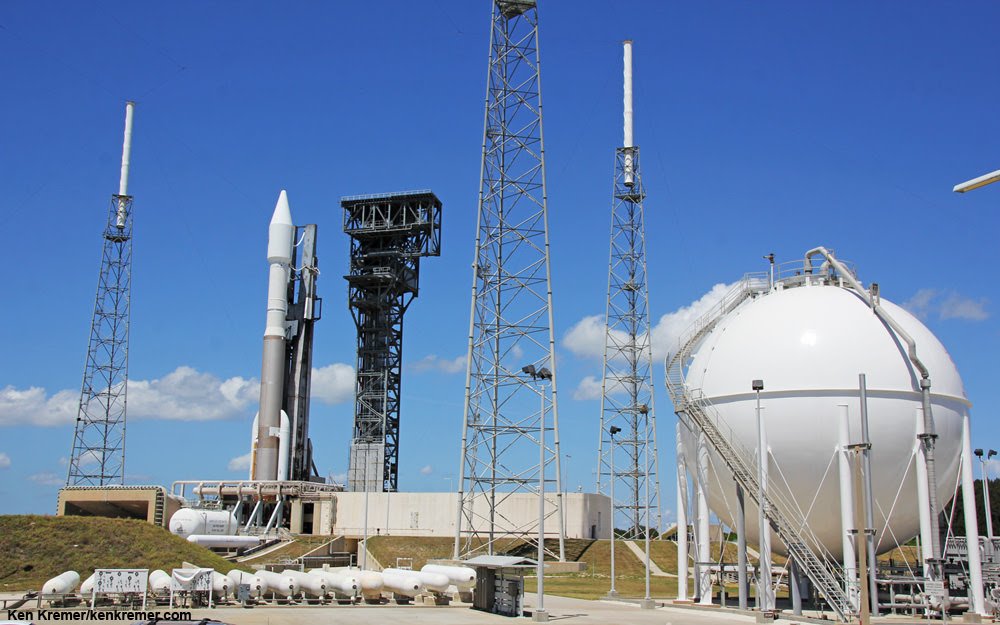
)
(613, 594)
(764, 581)
(987, 508)
(540, 375)
(975, 183)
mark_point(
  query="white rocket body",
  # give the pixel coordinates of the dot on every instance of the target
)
(280, 243)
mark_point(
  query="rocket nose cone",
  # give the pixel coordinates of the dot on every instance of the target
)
(282, 214)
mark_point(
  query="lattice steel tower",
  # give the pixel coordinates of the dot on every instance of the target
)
(627, 389)
(98, 456)
(389, 235)
(510, 330)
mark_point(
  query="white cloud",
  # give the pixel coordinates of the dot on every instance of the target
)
(957, 307)
(4, 461)
(333, 384)
(667, 331)
(32, 407)
(589, 388)
(586, 338)
(47, 478)
(184, 394)
(427, 470)
(927, 302)
(445, 365)
(240, 463)
(189, 395)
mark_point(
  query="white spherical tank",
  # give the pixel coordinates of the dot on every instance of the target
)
(188, 521)
(808, 344)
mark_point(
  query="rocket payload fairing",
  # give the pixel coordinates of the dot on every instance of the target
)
(267, 463)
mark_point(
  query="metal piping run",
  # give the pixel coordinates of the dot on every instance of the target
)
(927, 439)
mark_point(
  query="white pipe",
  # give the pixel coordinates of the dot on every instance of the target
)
(971, 524)
(702, 534)
(682, 521)
(923, 497)
(126, 158)
(629, 174)
(847, 503)
(628, 93)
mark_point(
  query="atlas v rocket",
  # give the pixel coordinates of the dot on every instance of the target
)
(270, 452)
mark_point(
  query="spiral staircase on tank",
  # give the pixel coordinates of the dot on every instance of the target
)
(778, 507)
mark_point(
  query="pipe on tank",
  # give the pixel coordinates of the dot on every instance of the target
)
(847, 503)
(928, 437)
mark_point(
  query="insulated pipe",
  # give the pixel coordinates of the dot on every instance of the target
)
(795, 586)
(924, 511)
(126, 158)
(682, 521)
(928, 436)
(847, 503)
(702, 535)
(971, 524)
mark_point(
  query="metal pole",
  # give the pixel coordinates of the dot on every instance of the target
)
(866, 468)
(540, 614)
(862, 553)
(613, 594)
(741, 547)
(987, 509)
(764, 590)
(364, 552)
(682, 523)
(647, 602)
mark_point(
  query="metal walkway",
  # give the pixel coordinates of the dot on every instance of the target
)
(784, 516)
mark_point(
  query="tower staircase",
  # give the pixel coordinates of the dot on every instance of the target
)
(785, 518)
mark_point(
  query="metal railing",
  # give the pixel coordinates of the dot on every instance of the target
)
(778, 506)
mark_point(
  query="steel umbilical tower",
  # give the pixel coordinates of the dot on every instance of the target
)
(627, 390)
(389, 234)
(98, 456)
(510, 327)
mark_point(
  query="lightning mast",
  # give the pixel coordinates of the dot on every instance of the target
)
(511, 356)
(98, 457)
(627, 389)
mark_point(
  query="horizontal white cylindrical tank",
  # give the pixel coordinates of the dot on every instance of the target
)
(463, 577)
(401, 582)
(159, 581)
(188, 521)
(343, 584)
(87, 586)
(220, 584)
(310, 584)
(435, 582)
(809, 344)
(257, 585)
(224, 541)
(62, 584)
(283, 585)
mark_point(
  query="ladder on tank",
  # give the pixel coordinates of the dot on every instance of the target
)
(784, 517)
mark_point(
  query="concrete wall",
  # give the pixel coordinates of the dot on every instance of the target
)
(586, 515)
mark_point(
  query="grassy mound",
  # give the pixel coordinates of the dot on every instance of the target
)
(35, 548)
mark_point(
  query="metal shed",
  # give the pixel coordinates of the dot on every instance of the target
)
(500, 583)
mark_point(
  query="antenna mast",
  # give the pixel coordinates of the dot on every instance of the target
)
(627, 388)
(98, 457)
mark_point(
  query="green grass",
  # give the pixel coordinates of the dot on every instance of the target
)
(292, 549)
(33, 549)
(386, 549)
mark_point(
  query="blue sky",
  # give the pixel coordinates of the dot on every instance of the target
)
(764, 127)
